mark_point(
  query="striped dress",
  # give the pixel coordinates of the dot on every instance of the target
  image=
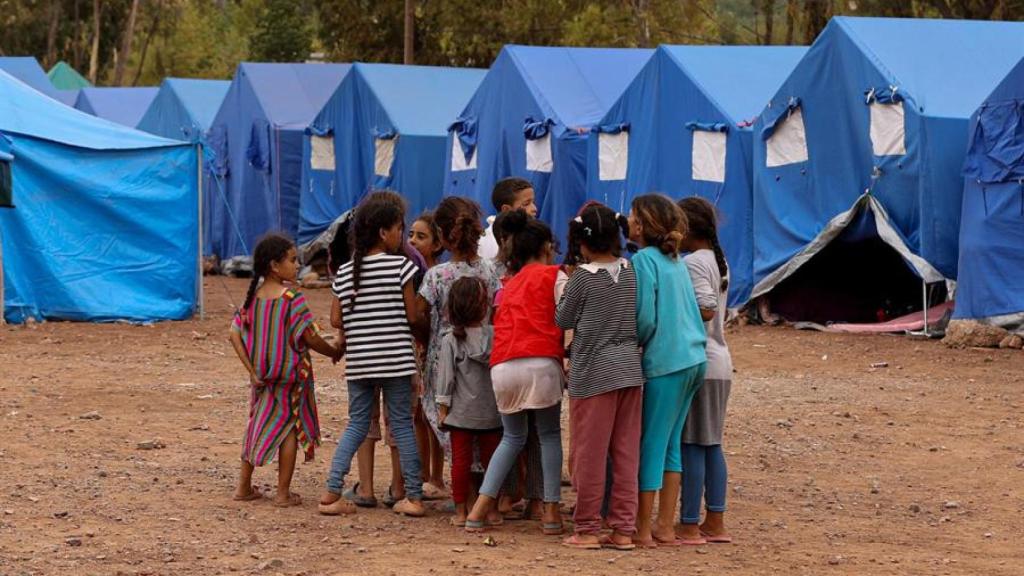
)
(273, 337)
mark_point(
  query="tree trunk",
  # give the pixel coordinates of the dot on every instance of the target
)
(790, 20)
(408, 56)
(51, 35)
(769, 19)
(76, 48)
(94, 51)
(153, 27)
(126, 44)
(817, 12)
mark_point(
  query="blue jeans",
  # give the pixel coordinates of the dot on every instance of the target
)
(704, 475)
(398, 399)
(513, 439)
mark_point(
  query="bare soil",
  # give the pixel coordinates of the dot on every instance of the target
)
(835, 467)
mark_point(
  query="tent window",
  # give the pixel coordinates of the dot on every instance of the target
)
(887, 129)
(6, 185)
(538, 154)
(459, 157)
(788, 143)
(708, 158)
(384, 156)
(322, 157)
(613, 155)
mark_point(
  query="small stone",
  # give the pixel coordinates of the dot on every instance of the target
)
(94, 415)
(835, 560)
(915, 508)
(271, 564)
(362, 550)
(102, 473)
(988, 534)
(155, 444)
(458, 550)
(61, 514)
(8, 512)
(951, 505)
(73, 541)
(702, 550)
(490, 541)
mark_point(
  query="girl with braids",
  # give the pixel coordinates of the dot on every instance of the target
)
(376, 303)
(272, 335)
(526, 369)
(671, 334)
(703, 458)
(605, 382)
(458, 222)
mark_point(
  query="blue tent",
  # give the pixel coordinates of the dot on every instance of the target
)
(254, 178)
(105, 224)
(532, 117)
(386, 126)
(691, 135)
(865, 142)
(28, 70)
(122, 105)
(67, 97)
(184, 109)
(990, 285)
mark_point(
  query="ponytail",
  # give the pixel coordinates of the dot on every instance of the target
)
(664, 224)
(271, 248)
(703, 224)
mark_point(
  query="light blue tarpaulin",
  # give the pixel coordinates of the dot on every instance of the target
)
(255, 176)
(386, 126)
(689, 114)
(184, 109)
(553, 97)
(28, 70)
(122, 105)
(908, 154)
(990, 284)
(105, 224)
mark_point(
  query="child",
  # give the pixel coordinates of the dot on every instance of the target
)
(272, 335)
(508, 194)
(671, 334)
(606, 380)
(465, 397)
(426, 239)
(458, 220)
(526, 368)
(376, 298)
(703, 459)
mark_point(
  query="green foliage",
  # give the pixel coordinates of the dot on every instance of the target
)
(283, 33)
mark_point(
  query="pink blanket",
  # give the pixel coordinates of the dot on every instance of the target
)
(910, 322)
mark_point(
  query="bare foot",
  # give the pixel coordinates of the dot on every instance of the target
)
(459, 520)
(495, 518)
(287, 500)
(253, 493)
(687, 531)
(329, 498)
(534, 511)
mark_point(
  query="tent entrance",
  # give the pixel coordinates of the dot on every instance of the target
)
(858, 270)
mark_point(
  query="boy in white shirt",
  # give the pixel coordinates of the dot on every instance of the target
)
(508, 194)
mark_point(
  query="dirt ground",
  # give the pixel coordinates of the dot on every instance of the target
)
(835, 467)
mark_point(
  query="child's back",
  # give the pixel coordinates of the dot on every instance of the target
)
(464, 380)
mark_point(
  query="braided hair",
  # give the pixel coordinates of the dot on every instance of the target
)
(525, 238)
(599, 229)
(379, 210)
(664, 224)
(271, 248)
(467, 304)
(458, 219)
(703, 222)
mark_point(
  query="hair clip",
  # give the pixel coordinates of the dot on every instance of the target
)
(618, 215)
(588, 230)
(578, 220)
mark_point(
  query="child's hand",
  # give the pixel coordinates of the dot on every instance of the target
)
(442, 412)
(339, 353)
(255, 380)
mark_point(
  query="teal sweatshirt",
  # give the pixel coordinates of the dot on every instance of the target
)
(668, 320)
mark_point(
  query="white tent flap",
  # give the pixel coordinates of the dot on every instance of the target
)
(887, 129)
(459, 158)
(538, 154)
(708, 158)
(788, 144)
(322, 157)
(613, 155)
(384, 155)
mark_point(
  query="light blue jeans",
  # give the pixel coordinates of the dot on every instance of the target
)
(398, 399)
(704, 475)
(513, 439)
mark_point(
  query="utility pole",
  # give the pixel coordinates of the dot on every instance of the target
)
(410, 31)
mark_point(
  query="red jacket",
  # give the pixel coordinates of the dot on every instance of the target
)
(524, 324)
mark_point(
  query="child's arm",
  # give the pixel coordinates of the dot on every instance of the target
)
(243, 355)
(705, 292)
(312, 339)
(646, 298)
(336, 314)
(422, 326)
(567, 309)
(445, 385)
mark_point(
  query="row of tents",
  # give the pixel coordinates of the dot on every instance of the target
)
(875, 171)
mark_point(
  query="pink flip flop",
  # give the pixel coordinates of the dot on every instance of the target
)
(720, 539)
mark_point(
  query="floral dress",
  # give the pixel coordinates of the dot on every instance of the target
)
(272, 333)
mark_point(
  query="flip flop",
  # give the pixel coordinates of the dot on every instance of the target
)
(690, 542)
(254, 494)
(574, 542)
(475, 526)
(293, 500)
(458, 523)
(552, 528)
(390, 499)
(646, 544)
(719, 539)
(607, 542)
(431, 492)
(670, 543)
(361, 501)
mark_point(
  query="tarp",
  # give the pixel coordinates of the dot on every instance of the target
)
(690, 135)
(386, 126)
(544, 100)
(990, 285)
(254, 180)
(105, 226)
(122, 105)
(64, 77)
(67, 97)
(184, 109)
(877, 105)
(28, 70)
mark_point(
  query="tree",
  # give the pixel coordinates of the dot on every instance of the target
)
(283, 32)
(126, 44)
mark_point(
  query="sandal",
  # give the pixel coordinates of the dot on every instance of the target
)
(552, 528)
(475, 526)
(254, 494)
(405, 507)
(390, 499)
(361, 501)
(458, 522)
(431, 492)
(293, 500)
(645, 544)
(340, 507)
(609, 542)
(575, 542)
(719, 539)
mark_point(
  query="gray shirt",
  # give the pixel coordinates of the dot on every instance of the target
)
(707, 284)
(464, 380)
